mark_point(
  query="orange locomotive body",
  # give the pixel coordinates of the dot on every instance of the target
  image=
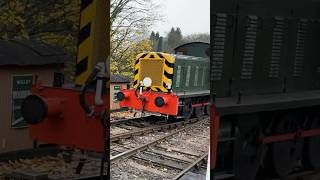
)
(147, 101)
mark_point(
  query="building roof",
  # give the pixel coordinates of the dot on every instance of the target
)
(30, 52)
(119, 79)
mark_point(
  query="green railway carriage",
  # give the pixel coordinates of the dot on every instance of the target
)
(191, 75)
(191, 84)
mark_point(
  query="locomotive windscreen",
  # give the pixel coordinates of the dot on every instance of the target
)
(152, 68)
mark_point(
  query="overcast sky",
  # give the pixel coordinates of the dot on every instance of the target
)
(192, 16)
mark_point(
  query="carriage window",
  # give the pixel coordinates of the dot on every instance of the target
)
(188, 76)
(196, 74)
(178, 76)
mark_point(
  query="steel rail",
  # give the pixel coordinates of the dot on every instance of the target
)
(121, 121)
(187, 169)
(145, 146)
(149, 129)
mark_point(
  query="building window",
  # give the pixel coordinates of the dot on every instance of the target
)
(116, 88)
(115, 97)
(21, 88)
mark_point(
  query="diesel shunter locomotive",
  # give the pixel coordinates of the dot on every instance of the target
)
(170, 84)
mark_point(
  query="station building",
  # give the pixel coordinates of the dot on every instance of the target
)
(20, 63)
(117, 82)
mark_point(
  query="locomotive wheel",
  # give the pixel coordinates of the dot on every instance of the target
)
(248, 150)
(284, 155)
(311, 155)
(199, 111)
(187, 109)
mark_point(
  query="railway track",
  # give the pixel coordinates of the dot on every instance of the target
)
(162, 157)
(135, 131)
(46, 167)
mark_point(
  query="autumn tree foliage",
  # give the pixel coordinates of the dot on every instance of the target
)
(197, 37)
(57, 22)
(54, 22)
(50, 21)
(175, 38)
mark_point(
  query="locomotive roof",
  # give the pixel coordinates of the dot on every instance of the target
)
(30, 52)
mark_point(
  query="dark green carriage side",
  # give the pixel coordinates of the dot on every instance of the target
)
(191, 75)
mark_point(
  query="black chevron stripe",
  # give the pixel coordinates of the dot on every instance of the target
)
(84, 33)
(171, 65)
(169, 76)
(137, 61)
(160, 55)
(135, 82)
(82, 66)
(136, 72)
(85, 4)
(158, 89)
(144, 55)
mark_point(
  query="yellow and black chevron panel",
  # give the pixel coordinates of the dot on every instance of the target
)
(91, 38)
(167, 66)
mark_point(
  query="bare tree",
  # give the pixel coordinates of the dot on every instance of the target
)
(130, 23)
(200, 37)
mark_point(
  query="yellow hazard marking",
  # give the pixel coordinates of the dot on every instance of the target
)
(85, 48)
(166, 58)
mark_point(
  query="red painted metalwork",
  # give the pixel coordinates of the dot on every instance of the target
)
(66, 123)
(214, 130)
(135, 100)
(55, 107)
(200, 104)
(291, 136)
